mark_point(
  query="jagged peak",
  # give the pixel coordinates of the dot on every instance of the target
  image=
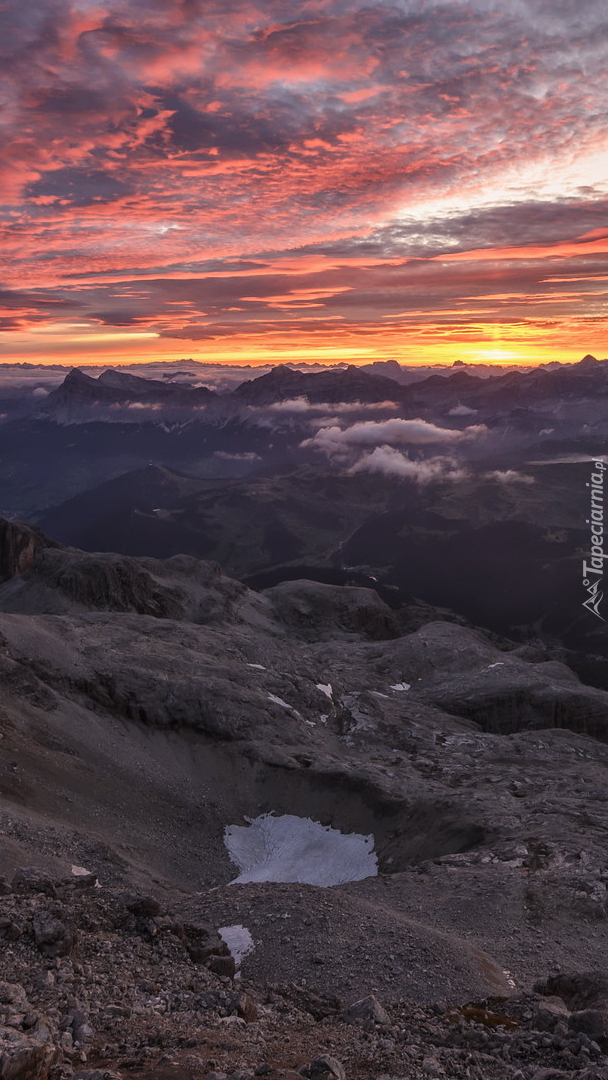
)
(77, 377)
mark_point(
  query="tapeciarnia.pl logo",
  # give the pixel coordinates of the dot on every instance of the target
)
(593, 571)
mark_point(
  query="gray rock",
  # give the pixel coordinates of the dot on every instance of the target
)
(53, 936)
(592, 1022)
(9, 930)
(29, 879)
(549, 1013)
(13, 994)
(368, 1008)
(143, 906)
(23, 1058)
(221, 965)
(325, 1066)
(431, 1067)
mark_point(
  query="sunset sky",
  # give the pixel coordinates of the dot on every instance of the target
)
(328, 180)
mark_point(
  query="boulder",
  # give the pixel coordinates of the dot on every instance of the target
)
(24, 1058)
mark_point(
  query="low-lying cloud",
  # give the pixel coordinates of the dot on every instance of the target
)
(510, 476)
(303, 405)
(391, 462)
(246, 456)
(392, 432)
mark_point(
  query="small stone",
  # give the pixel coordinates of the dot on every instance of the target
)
(325, 1066)
(367, 1008)
(13, 994)
(246, 1007)
(222, 965)
(9, 930)
(431, 1067)
(143, 906)
(53, 937)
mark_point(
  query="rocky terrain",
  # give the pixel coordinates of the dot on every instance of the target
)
(149, 705)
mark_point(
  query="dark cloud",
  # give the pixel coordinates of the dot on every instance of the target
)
(79, 187)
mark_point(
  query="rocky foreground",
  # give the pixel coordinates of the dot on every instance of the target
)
(147, 706)
(99, 983)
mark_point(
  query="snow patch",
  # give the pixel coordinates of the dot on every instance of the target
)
(80, 871)
(295, 849)
(260, 667)
(401, 686)
(239, 941)
(279, 701)
(325, 688)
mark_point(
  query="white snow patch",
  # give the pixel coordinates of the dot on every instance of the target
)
(260, 667)
(325, 688)
(80, 871)
(279, 701)
(378, 694)
(499, 664)
(401, 686)
(296, 849)
(239, 941)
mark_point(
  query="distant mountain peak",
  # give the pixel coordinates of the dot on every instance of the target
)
(77, 377)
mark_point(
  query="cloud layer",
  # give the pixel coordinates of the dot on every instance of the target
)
(333, 180)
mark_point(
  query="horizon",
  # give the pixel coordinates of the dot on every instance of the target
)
(96, 364)
(340, 183)
(243, 365)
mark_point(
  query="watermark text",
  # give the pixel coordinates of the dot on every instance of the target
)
(593, 571)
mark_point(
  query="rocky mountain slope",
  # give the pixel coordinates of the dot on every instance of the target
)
(147, 706)
(503, 549)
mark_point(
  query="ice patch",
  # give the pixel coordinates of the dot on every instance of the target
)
(325, 688)
(401, 686)
(290, 848)
(239, 941)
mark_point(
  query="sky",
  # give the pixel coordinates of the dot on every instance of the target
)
(327, 180)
